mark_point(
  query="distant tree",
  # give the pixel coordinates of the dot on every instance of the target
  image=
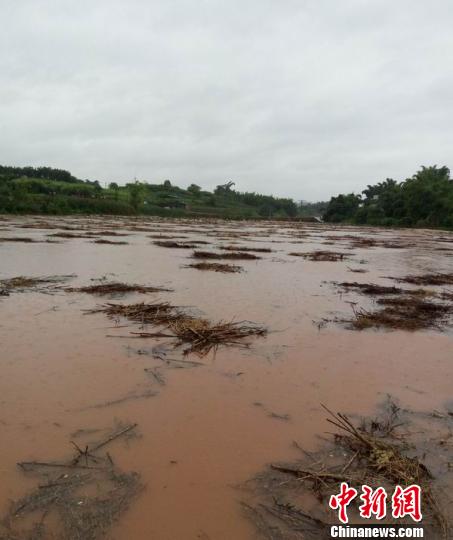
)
(167, 184)
(97, 188)
(342, 208)
(266, 210)
(432, 174)
(194, 189)
(136, 195)
(428, 197)
(49, 173)
(115, 189)
(224, 189)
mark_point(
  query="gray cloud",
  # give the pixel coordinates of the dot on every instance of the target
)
(301, 98)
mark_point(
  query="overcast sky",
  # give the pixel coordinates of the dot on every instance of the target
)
(299, 98)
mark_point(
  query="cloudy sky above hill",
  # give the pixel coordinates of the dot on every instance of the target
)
(299, 98)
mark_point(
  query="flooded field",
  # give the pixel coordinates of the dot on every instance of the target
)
(164, 414)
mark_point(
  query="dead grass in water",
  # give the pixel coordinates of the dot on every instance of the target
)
(106, 233)
(406, 313)
(23, 283)
(375, 453)
(157, 313)
(86, 495)
(117, 288)
(427, 279)
(20, 239)
(397, 245)
(216, 267)
(203, 336)
(406, 309)
(165, 237)
(173, 244)
(357, 270)
(246, 248)
(329, 256)
(361, 242)
(70, 235)
(370, 288)
(111, 242)
(200, 334)
(233, 255)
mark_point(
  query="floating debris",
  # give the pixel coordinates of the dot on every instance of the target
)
(216, 267)
(204, 336)
(23, 283)
(112, 242)
(157, 313)
(232, 255)
(330, 256)
(373, 454)
(117, 288)
(373, 289)
(157, 375)
(370, 288)
(447, 295)
(406, 313)
(427, 279)
(133, 396)
(272, 414)
(357, 270)
(201, 334)
(22, 239)
(397, 245)
(166, 237)
(245, 248)
(360, 242)
(70, 235)
(106, 233)
(173, 244)
(87, 494)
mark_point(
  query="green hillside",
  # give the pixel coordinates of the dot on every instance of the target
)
(53, 191)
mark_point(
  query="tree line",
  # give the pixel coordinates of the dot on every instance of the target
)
(423, 200)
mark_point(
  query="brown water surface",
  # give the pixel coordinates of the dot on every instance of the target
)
(211, 427)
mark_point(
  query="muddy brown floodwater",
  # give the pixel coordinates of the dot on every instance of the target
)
(204, 429)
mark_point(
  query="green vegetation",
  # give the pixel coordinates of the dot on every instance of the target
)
(424, 200)
(53, 191)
